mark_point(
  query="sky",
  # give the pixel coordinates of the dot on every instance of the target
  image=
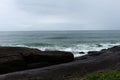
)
(25, 15)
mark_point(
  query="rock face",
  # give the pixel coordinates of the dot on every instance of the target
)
(94, 53)
(114, 49)
(21, 58)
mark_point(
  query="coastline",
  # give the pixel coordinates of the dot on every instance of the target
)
(106, 59)
(71, 41)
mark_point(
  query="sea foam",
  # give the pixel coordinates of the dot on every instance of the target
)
(76, 49)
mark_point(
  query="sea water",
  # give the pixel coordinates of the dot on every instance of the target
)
(72, 41)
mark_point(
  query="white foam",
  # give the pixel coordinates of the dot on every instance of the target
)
(75, 49)
(80, 48)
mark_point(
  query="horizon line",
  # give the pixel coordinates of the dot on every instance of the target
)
(60, 30)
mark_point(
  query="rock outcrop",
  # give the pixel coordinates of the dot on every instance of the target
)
(106, 59)
(22, 58)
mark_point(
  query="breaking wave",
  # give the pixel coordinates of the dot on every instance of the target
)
(74, 48)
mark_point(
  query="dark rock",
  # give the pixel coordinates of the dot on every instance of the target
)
(108, 59)
(103, 50)
(94, 53)
(81, 58)
(50, 56)
(114, 49)
(81, 53)
(21, 58)
(99, 45)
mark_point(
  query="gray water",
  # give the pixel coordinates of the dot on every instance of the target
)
(73, 41)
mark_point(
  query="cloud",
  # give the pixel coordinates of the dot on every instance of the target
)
(10, 16)
(61, 15)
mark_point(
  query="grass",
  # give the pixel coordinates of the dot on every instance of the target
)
(105, 75)
(108, 75)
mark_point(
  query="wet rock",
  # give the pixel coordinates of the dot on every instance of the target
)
(81, 53)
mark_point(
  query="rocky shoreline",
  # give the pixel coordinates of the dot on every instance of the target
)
(106, 59)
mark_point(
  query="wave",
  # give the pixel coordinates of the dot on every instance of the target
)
(75, 49)
(38, 44)
(58, 38)
(79, 47)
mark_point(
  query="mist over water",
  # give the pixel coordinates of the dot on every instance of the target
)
(73, 41)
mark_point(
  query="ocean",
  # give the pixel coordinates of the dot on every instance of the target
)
(72, 41)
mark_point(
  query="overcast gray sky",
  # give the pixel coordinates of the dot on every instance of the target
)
(59, 14)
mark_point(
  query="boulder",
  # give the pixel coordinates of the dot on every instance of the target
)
(81, 53)
(22, 58)
(49, 56)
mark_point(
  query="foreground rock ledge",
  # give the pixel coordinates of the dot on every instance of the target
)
(108, 59)
(22, 58)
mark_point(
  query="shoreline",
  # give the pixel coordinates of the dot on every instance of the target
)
(106, 59)
(76, 53)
